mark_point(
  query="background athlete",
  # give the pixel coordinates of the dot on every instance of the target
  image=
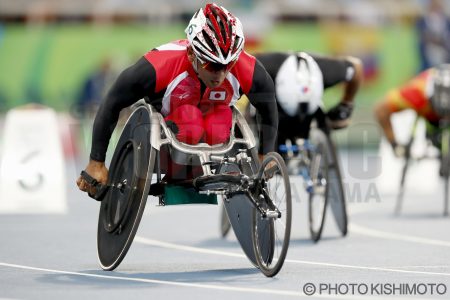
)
(422, 94)
(300, 80)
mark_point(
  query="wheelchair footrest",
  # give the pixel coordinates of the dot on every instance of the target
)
(174, 195)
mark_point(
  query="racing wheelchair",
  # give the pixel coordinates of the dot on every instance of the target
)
(439, 138)
(312, 155)
(437, 134)
(315, 160)
(257, 197)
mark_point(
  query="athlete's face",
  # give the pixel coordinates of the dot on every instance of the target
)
(211, 77)
(211, 74)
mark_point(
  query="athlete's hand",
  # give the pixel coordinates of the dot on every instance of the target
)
(270, 168)
(261, 157)
(96, 170)
(339, 115)
(399, 150)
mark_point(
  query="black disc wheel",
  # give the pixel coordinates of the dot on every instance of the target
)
(123, 205)
(318, 172)
(445, 167)
(336, 195)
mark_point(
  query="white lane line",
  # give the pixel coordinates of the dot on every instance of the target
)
(394, 236)
(298, 293)
(161, 244)
(367, 268)
(425, 267)
(224, 253)
(183, 284)
(203, 286)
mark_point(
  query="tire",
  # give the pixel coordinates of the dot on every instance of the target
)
(336, 195)
(446, 196)
(318, 171)
(270, 235)
(130, 174)
(445, 167)
(225, 224)
(401, 189)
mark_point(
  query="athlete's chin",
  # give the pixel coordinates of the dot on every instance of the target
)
(214, 83)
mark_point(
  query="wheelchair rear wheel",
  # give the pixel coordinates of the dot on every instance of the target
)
(318, 170)
(445, 166)
(336, 195)
(122, 207)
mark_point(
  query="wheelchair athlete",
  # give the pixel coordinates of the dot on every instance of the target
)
(428, 94)
(193, 83)
(300, 80)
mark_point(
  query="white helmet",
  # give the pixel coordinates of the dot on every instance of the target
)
(299, 80)
(215, 35)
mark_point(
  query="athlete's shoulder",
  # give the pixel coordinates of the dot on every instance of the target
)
(170, 51)
(424, 75)
(420, 81)
(246, 60)
(244, 70)
(169, 61)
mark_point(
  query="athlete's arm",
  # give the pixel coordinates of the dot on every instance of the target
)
(133, 84)
(352, 85)
(262, 97)
(411, 95)
(272, 61)
(383, 115)
(347, 70)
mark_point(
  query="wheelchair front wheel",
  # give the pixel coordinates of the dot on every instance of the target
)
(272, 229)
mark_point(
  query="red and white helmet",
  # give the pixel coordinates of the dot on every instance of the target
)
(215, 35)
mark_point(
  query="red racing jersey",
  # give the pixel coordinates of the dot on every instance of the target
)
(177, 80)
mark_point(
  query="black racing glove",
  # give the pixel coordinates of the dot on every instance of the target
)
(172, 126)
(339, 115)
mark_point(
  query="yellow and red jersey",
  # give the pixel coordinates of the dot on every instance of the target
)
(415, 94)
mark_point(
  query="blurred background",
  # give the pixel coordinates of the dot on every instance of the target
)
(64, 54)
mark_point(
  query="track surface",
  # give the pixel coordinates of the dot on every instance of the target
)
(178, 252)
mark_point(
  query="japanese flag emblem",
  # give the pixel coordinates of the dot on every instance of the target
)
(217, 95)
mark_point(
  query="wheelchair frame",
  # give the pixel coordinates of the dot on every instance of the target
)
(258, 230)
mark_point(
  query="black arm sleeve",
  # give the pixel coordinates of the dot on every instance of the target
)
(262, 97)
(272, 61)
(334, 70)
(133, 84)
